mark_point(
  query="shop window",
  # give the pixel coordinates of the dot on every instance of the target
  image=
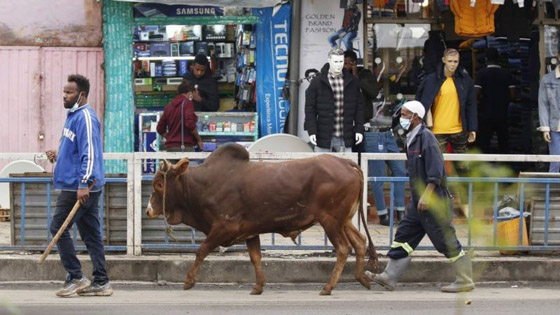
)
(396, 57)
(164, 54)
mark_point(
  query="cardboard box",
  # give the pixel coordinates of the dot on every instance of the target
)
(169, 87)
(174, 81)
(143, 88)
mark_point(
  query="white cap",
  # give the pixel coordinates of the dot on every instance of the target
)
(415, 107)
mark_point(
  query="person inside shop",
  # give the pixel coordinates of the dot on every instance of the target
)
(177, 124)
(549, 107)
(378, 138)
(205, 96)
(494, 89)
(449, 99)
(429, 210)
(334, 110)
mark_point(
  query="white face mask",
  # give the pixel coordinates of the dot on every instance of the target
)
(405, 123)
(77, 105)
(336, 64)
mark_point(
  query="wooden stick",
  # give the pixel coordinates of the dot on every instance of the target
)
(60, 231)
(63, 227)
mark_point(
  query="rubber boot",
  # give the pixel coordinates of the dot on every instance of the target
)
(388, 279)
(463, 281)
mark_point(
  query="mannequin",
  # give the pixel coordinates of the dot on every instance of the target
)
(334, 107)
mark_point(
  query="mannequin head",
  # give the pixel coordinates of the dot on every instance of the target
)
(450, 61)
(336, 60)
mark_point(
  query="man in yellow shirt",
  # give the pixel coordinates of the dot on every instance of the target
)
(449, 94)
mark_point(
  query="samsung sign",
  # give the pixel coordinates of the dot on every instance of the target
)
(162, 10)
(273, 47)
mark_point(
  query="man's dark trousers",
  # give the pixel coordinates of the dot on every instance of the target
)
(87, 221)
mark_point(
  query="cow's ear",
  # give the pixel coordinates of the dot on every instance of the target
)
(164, 166)
(181, 166)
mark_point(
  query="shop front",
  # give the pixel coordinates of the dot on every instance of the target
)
(150, 47)
(406, 41)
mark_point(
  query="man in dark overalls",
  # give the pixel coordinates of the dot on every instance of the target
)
(429, 211)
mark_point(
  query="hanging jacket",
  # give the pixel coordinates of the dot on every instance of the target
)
(474, 21)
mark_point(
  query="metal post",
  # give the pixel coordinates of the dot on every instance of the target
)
(130, 227)
(49, 212)
(22, 219)
(295, 30)
(137, 205)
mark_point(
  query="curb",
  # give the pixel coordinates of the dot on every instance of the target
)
(238, 269)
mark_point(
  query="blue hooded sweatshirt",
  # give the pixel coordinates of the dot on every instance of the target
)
(80, 154)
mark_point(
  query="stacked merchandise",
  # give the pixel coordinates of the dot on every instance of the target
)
(245, 84)
(169, 68)
(514, 56)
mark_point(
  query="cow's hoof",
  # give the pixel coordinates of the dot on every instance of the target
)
(188, 286)
(325, 292)
(257, 291)
(365, 282)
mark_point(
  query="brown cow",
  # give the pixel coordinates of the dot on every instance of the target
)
(233, 200)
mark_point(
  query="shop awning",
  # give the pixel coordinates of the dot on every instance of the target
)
(223, 3)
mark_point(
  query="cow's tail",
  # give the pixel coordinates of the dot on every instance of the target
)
(372, 263)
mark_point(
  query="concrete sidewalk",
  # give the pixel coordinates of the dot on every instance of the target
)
(235, 267)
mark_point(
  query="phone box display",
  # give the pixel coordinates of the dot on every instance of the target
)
(183, 67)
(159, 49)
(215, 32)
(186, 48)
(201, 48)
(174, 49)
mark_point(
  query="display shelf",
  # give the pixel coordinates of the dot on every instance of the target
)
(227, 133)
(246, 124)
(165, 58)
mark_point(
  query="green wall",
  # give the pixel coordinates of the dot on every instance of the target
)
(119, 97)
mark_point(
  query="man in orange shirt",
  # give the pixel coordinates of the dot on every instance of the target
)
(449, 94)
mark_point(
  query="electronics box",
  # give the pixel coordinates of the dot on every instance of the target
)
(174, 81)
(186, 48)
(160, 49)
(143, 81)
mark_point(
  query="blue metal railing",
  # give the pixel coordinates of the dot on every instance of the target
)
(324, 244)
(496, 180)
(49, 214)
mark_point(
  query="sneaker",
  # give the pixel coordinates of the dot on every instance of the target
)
(96, 289)
(71, 287)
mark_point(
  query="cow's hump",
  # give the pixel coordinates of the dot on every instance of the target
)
(231, 152)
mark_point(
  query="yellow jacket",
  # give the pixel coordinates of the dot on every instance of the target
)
(474, 21)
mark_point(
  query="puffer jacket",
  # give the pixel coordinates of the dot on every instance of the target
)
(320, 109)
(474, 21)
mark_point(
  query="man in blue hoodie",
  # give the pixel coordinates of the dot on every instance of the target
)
(80, 176)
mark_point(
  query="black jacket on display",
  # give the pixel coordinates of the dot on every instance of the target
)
(320, 109)
(429, 89)
(208, 89)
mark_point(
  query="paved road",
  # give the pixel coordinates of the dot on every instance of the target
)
(505, 298)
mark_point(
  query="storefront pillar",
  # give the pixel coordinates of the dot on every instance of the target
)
(119, 106)
(294, 67)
